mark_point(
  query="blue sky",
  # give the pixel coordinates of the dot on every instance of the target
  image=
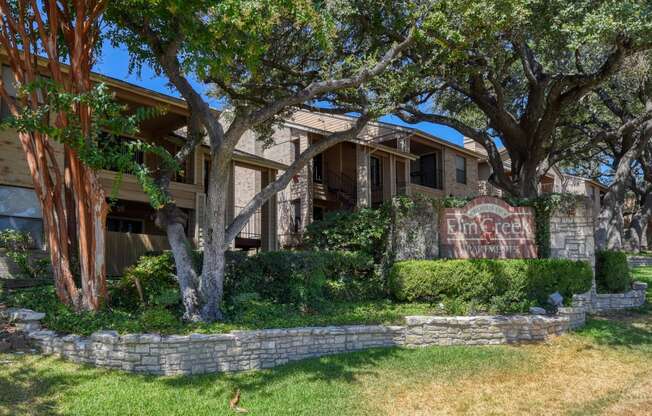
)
(115, 63)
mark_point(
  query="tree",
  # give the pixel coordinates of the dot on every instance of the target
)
(264, 59)
(508, 70)
(617, 120)
(72, 200)
(636, 235)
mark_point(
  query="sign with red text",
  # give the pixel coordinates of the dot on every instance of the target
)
(488, 227)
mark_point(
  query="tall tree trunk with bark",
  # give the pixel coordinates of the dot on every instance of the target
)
(72, 198)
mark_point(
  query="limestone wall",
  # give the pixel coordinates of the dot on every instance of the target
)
(639, 261)
(422, 331)
(571, 233)
(415, 230)
(248, 350)
(606, 302)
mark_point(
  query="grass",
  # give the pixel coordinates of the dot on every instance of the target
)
(251, 315)
(326, 386)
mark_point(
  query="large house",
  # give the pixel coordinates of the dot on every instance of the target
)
(384, 160)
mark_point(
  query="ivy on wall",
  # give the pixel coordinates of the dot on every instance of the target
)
(544, 206)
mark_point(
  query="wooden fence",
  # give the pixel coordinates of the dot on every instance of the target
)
(124, 249)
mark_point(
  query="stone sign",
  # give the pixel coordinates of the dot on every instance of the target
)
(488, 227)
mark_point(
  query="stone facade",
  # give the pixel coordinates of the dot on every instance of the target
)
(571, 233)
(423, 331)
(606, 302)
(249, 350)
(639, 261)
(415, 233)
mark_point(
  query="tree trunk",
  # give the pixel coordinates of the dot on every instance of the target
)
(171, 219)
(211, 287)
(636, 236)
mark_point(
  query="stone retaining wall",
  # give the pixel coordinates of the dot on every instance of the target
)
(606, 302)
(423, 331)
(248, 350)
(639, 261)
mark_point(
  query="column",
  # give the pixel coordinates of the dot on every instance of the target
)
(268, 217)
(362, 176)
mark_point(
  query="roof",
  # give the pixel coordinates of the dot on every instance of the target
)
(374, 132)
(252, 159)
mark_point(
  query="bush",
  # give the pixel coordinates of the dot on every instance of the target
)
(17, 245)
(150, 282)
(303, 278)
(612, 272)
(493, 286)
(361, 231)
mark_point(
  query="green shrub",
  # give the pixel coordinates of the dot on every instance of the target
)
(17, 245)
(159, 319)
(150, 282)
(363, 231)
(302, 277)
(493, 286)
(612, 272)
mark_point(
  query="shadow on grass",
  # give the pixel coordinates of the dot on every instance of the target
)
(336, 368)
(29, 389)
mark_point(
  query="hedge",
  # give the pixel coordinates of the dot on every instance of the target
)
(493, 286)
(612, 272)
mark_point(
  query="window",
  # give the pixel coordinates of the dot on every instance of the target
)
(318, 169)
(317, 213)
(460, 169)
(124, 225)
(375, 172)
(426, 171)
(296, 209)
(296, 146)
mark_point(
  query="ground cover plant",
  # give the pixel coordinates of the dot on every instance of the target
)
(250, 313)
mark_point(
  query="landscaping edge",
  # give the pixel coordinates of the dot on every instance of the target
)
(250, 350)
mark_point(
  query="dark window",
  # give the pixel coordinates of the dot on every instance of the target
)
(296, 221)
(207, 172)
(375, 172)
(460, 169)
(296, 144)
(124, 225)
(318, 168)
(426, 171)
(317, 213)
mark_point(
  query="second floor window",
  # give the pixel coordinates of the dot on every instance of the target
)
(318, 169)
(460, 169)
(375, 172)
(426, 171)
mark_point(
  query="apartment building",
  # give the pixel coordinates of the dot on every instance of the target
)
(131, 230)
(383, 161)
(554, 180)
